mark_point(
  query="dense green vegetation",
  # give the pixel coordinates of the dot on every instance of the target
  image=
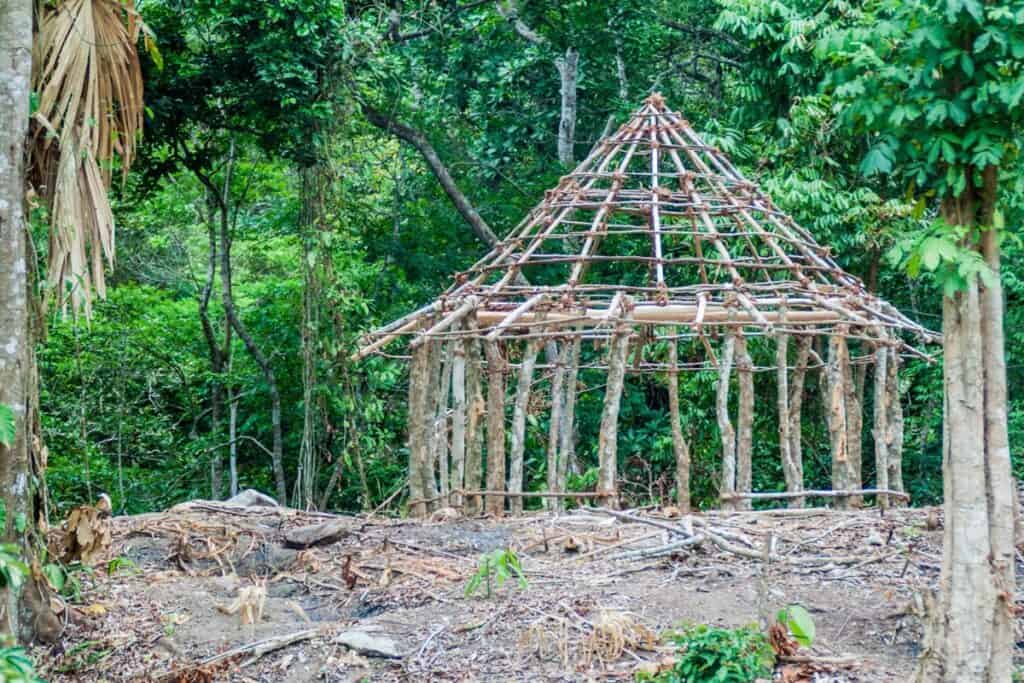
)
(257, 128)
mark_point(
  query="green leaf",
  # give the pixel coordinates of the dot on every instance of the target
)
(55, 575)
(800, 624)
(20, 522)
(8, 429)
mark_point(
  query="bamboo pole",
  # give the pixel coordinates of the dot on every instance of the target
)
(607, 445)
(495, 504)
(680, 446)
(458, 466)
(725, 428)
(744, 419)
(418, 442)
(881, 430)
(518, 436)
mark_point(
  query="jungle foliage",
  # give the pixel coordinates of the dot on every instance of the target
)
(255, 123)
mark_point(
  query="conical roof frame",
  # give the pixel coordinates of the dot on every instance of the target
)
(655, 226)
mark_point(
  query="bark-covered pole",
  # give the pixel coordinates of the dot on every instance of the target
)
(725, 428)
(607, 443)
(419, 443)
(567, 432)
(835, 413)
(894, 420)
(853, 393)
(430, 415)
(881, 430)
(458, 458)
(796, 401)
(744, 420)
(555, 422)
(441, 420)
(474, 427)
(518, 435)
(680, 447)
(495, 505)
(794, 482)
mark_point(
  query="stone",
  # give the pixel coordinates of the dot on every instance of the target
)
(316, 534)
(252, 498)
(369, 644)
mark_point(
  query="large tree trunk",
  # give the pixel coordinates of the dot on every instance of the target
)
(495, 505)
(725, 428)
(680, 446)
(744, 421)
(24, 613)
(970, 633)
(518, 436)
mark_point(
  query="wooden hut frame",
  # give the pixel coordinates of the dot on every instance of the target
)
(654, 237)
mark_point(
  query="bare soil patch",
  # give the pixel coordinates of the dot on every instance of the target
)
(377, 583)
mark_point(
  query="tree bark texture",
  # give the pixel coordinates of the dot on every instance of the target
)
(20, 611)
(458, 466)
(432, 391)
(894, 420)
(441, 422)
(725, 428)
(567, 424)
(744, 421)
(419, 443)
(474, 427)
(680, 446)
(796, 401)
(567, 68)
(555, 421)
(518, 436)
(836, 373)
(881, 430)
(607, 443)
(495, 505)
(853, 391)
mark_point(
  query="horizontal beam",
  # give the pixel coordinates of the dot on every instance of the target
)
(679, 314)
(826, 494)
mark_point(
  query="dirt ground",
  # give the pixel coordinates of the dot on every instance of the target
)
(386, 600)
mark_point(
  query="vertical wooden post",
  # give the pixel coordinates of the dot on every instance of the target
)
(793, 475)
(495, 505)
(881, 430)
(555, 422)
(853, 395)
(458, 468)
(725, 429)
(680, 446)
(835, 412)
(430, 417)
(518, 440)
(441, 421)
(744, 420)
(567, 437)
(417, 426)
(796, 402)
(474, 427)
(894, 421)
(607, 443)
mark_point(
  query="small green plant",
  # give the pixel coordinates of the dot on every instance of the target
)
(8, 428)
(12, 570)
(706, 654)
(16, 666)
(499, 564)
(120, 563)
(799, 622)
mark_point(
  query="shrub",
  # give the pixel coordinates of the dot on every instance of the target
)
(706, 654)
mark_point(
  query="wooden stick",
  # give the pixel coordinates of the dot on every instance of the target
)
(453, 317)
(826, 494)
(518, 436)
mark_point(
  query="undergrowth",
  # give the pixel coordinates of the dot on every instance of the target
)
(705, 654)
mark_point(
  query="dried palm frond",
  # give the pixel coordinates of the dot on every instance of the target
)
(87, 74)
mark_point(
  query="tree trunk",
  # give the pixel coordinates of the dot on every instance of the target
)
(567, 425)
(495, 505)
(607, 444)
(567, 67)
(790, 470)
(219, 355)
(853, 391)
(835, 415)
(680, 447)
(881, 430)
(22, 613)
(474, 427)
(895, 422)
(518, 437)
(725, 428)
(970, 633)
(458, 468)
(440, 455)
(555, 423)
(796, 402)
(744, 421)
(419, 443)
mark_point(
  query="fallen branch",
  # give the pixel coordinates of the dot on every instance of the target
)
(778, 495)
(255, 650)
